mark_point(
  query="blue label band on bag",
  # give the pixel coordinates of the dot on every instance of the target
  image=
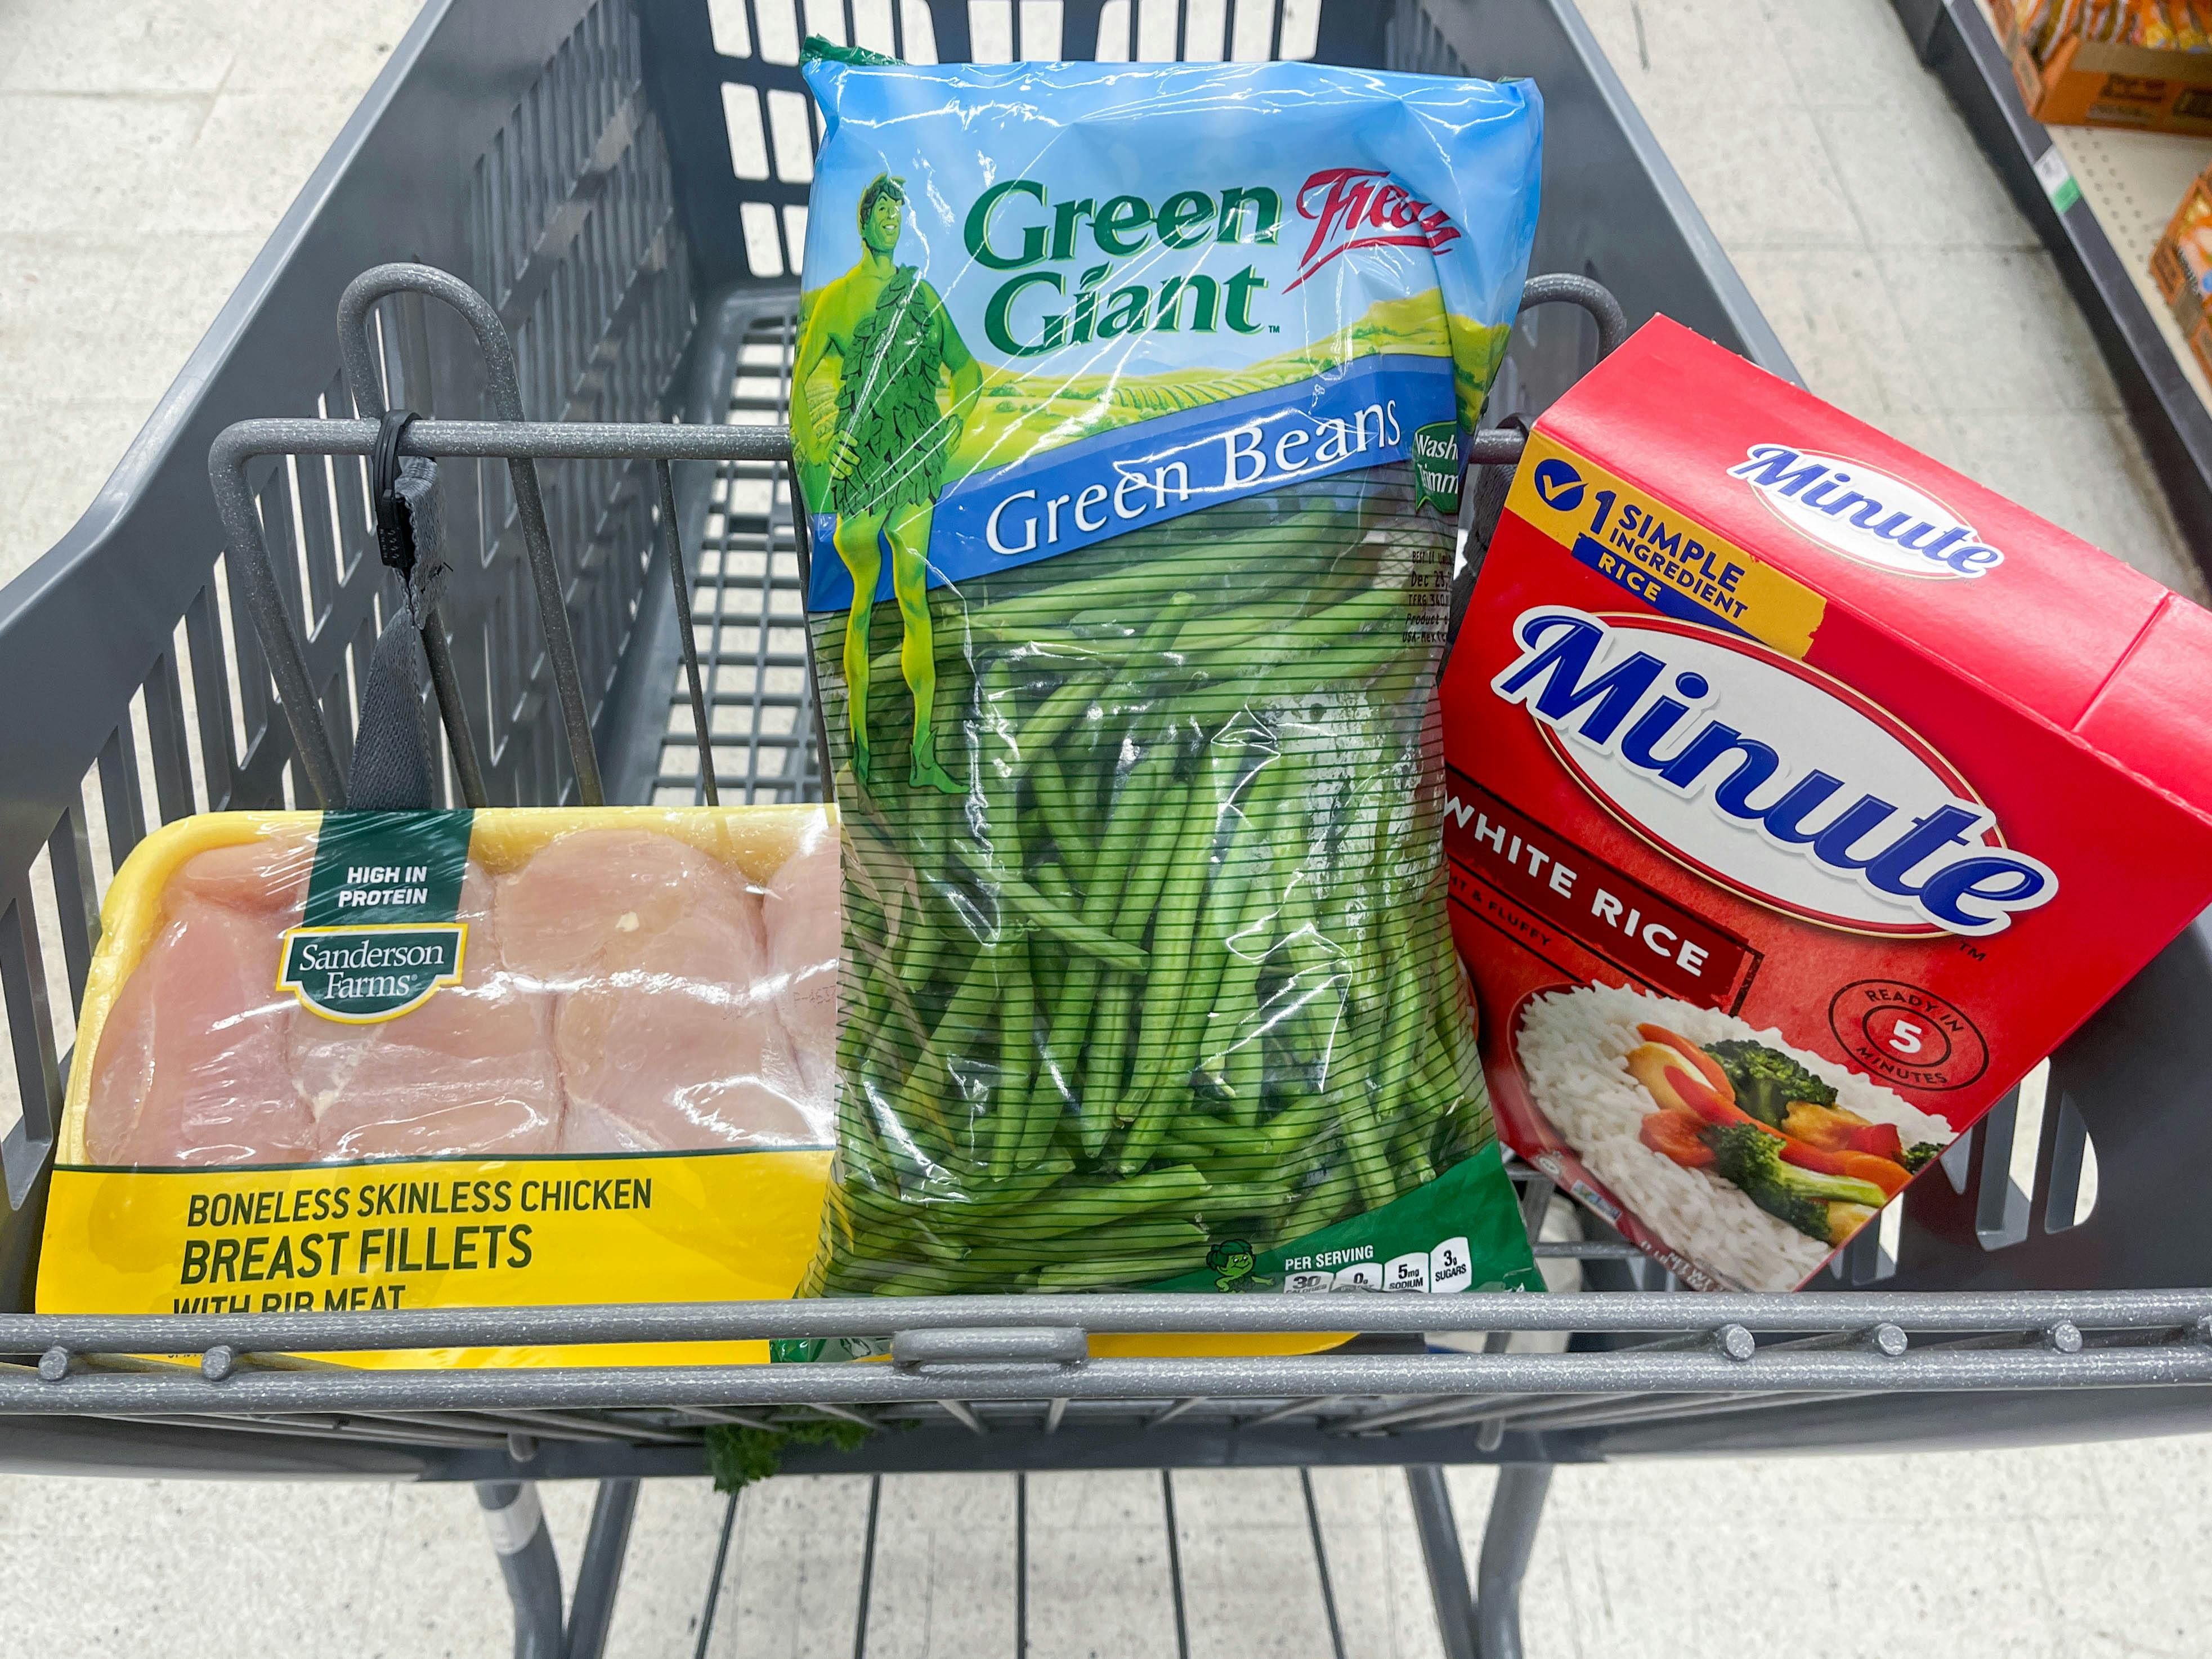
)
(1362, 414)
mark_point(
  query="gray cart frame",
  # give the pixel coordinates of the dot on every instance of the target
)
(585, 167)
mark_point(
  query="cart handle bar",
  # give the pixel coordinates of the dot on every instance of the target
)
(517, 441)
(1500, 446)
(522, 444)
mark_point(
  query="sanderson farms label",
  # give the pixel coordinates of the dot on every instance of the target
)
(381, 932)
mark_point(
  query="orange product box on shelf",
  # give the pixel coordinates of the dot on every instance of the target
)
(2181, 264)
(2079, 80)
(1801, 796)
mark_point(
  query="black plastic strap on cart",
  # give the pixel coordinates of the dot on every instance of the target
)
(394, 753)
(395, 530)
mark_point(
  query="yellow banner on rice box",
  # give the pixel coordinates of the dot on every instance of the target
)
(722, 1226)
(1673, 565)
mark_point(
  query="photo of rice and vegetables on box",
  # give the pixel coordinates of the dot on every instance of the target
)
(1739, 1151)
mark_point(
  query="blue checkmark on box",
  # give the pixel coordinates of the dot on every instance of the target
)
(1559, 484)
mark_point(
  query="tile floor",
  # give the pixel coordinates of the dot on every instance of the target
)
(153, 144)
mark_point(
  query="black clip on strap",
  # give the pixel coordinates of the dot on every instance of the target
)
(395, 531)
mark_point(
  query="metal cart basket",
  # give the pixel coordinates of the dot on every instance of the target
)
(624, 182)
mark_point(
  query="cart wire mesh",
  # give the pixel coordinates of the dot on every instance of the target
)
(748, 614)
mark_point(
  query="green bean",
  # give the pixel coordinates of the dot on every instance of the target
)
(1148, 870)
(1252, 801)
(1050, 1091)
(1164, 626)
(1181, 1010)
(1195, 987)
(1017, 1055)
(955, 1029)
(1010, 1253)
(943, 1203)
(1123, 1270)
(933, 1279)
(1077, 1009)
(1001, 825)
(1410, 1162)
(1071, 1207)
(1071, 930)
(1056, 805)
(1219, 1134)
(1436, 1081)
(1127, 575)
(1182, 893)
(1233, 1057)
(1105, 1060)
(1319, 1205)
(1364, 1142)
(1049, 722)
(1205, 1157)
(1253, 615)
(1279, 1140)
(1132, 579)
(1040, 1244)
(1297, 1123)
(1403, 1039)
(1252, 622)
(1168, 806)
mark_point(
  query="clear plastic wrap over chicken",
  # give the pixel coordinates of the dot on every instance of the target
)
(487, 985)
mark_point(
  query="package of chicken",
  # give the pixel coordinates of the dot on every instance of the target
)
(359, 1060)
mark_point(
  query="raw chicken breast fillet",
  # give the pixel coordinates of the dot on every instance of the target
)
(800, 911)
(191, 1066)
(266, 878)
(470, 1071)
(619, 993)
(667, 1036)
(559, 912)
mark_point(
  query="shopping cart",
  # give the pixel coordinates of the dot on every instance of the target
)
(624, 181)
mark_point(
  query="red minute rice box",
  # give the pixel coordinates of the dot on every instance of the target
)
(1803, 794)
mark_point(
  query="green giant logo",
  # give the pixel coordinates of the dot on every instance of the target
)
(1016, 226)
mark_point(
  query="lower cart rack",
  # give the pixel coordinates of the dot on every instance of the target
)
(1001, 1382)
(1006, 1384)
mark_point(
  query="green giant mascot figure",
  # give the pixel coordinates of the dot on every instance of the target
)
(885, 445)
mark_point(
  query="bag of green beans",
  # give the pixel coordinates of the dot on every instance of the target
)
(1129, 399)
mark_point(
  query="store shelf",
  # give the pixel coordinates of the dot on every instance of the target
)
(2101, 239)
(2133, 182)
